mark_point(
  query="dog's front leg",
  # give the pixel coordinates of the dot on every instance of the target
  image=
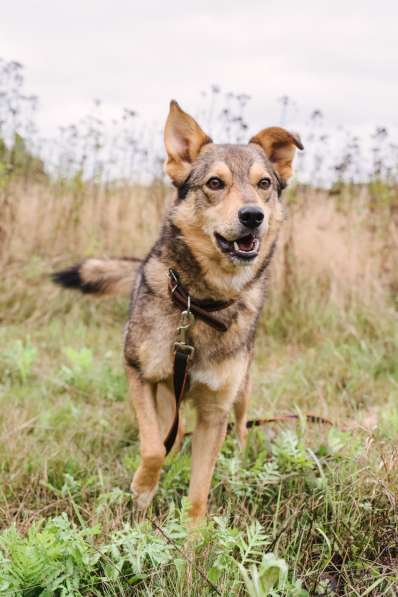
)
(166, 408)
(152, 450)
(207, 440)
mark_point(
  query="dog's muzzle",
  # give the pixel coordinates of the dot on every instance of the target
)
(243, 248)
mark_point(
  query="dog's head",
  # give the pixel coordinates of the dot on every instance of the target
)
(228, 195)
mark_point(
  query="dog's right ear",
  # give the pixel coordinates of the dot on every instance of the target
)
(183, 139)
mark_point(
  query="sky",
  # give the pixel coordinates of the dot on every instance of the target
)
(337, 56)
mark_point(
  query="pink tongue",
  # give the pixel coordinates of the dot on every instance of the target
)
(246, 243)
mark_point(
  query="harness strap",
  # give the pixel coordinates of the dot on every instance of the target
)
(202, 309)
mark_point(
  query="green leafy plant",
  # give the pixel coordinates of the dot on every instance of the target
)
(270, 578)
(56, 557)
(79, 372)
(19, 358)
(290, 453)
(86, 375)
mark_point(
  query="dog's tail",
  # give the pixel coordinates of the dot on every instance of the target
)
(100, 277)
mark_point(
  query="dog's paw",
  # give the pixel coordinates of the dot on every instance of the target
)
(242, 437)
(142, 497)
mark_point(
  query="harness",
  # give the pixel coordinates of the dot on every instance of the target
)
(184, 352)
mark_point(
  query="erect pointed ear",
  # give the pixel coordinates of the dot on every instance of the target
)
(184, 139)
(280, 146)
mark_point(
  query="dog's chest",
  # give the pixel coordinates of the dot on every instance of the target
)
(153, 331)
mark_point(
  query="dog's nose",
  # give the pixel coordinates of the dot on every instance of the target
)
(251, 216)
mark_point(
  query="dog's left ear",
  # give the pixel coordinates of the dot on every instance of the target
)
(280, 146)
(183, 139)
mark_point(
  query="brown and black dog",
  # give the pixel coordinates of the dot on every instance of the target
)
(219, 236)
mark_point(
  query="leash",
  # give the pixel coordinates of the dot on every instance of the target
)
(184, 353)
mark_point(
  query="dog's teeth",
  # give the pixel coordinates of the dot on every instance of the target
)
(256, 244)
(236, 246)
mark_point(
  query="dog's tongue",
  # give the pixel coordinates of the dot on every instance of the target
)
(246, 243)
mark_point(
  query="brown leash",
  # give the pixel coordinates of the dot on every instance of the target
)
(184, 353)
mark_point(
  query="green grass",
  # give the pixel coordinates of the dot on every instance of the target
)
(306, 509)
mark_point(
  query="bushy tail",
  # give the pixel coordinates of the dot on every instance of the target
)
(101, 277)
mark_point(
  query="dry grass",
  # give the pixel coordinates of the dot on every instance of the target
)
(347, 244)
(46, 222)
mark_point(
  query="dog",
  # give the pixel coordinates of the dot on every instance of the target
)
(217, 240)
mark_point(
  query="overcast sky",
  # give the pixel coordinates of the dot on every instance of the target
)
(340, 56)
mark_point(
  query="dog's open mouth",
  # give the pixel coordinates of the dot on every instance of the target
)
(245, 247)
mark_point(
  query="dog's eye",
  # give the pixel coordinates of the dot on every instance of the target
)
(264, 183)
(214, 183)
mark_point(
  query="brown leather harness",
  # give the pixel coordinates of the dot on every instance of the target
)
(192, 308)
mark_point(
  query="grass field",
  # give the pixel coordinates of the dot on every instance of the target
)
(307, 509)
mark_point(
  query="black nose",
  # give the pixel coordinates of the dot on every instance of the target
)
(251, 216)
